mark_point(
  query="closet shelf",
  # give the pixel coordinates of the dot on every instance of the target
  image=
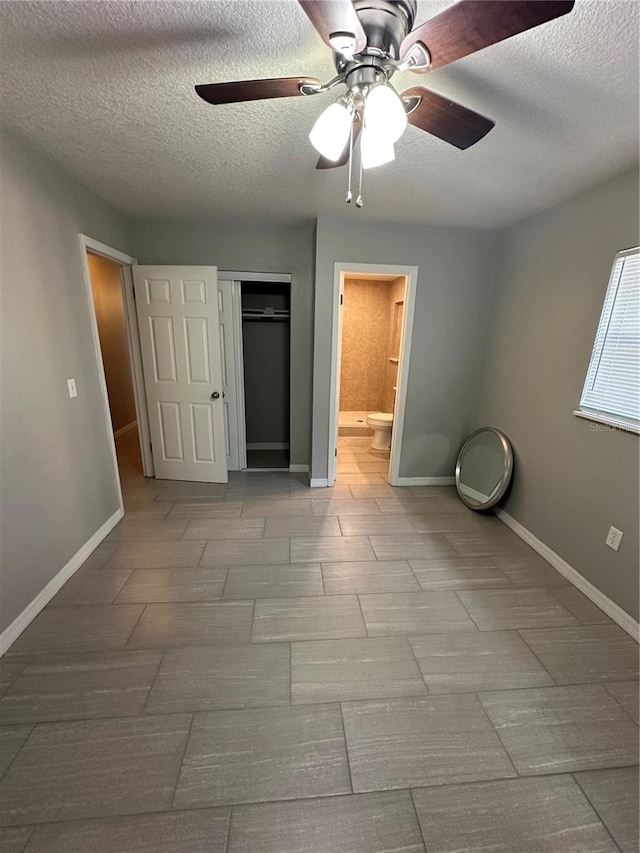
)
(265, 314)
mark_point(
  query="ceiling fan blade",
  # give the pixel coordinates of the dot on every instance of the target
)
(254, 90)
(335, 16)
(474, 24)
(343, 159)
(445, 119)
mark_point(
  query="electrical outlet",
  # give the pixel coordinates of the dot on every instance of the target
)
(614, 538)
(71, 385)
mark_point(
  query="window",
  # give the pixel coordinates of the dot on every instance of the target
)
(611, 392)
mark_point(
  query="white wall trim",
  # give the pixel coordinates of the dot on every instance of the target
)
(125, 429)
(425, 481)
(341, 270)
(13, 631)
(318, 483)
(234, 275)
(298, 469)
(620, 616)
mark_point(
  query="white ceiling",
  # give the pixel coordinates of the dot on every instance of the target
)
(106, 88)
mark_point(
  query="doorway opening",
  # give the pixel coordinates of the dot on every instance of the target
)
(372, 318)
(266, 313)
(372, 330)
(108, 300)
(109, 286)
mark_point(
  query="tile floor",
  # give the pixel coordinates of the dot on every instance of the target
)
(265, 668)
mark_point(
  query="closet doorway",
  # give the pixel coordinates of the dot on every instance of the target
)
(255, 318)
(266, 316)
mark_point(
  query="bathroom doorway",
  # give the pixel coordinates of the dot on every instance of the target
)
(375, 309)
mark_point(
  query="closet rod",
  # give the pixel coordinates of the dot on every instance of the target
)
(265, 315)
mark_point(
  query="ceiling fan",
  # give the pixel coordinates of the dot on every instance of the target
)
(371, 40)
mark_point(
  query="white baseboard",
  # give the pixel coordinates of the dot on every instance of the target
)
(299, 469)
(125, 429)
(425, 481)
(319, 483)
(620, 616)
(13, 631)
(268, 445)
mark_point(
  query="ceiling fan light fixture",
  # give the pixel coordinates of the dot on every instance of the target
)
(375, 149)
(344, 44)
(384, 112)
(330, 133)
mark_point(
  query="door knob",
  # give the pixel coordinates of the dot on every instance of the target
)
(215, 395)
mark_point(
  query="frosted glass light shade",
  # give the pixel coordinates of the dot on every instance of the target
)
(384, 112)
(330, 133)
(375, 149)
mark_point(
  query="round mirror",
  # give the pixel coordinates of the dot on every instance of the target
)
(484, 468)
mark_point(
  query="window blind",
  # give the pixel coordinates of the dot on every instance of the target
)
(612, 386)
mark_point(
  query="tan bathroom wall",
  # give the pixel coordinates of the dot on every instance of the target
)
(112, 330)
(395, 313)
(365, 333)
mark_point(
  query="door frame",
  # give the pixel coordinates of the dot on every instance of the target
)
(238, 350)
(95, 247)
(341, 270)
(232, 357)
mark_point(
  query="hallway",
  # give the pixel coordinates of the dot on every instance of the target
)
(261, 667)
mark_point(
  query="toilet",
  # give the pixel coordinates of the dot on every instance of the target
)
(381, 424)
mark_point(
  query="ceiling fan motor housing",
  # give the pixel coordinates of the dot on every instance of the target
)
(386, 23)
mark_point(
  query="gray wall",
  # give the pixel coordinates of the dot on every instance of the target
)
(456, 282)
(56, 473)
(571, 480)
(254, 247)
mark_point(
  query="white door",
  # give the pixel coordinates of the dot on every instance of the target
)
(177, 310)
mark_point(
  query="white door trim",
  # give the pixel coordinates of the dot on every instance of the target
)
(238, 366)
(133, 340)
(342, 269)
(238, 278)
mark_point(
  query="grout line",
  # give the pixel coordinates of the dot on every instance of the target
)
(497, 733)
(224, 586)
(604, 684)
(153, 681)
(364, 621)
(133, 630)
(228, 832)
(22, 746)
(232, 806)
(413, 803)
(346, 746)
(462, 604)
(184, 752)
(253, 617)
(115, 598)
(422, 675)
(594, 807)
(519, 633)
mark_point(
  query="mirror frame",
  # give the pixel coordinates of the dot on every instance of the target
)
(506, 476)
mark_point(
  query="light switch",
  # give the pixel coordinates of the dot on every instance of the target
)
(71, 385)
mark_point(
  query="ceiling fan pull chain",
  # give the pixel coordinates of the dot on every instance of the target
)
(359, 201)
(349, 193)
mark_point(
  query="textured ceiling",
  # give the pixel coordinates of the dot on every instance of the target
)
(106, 88)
